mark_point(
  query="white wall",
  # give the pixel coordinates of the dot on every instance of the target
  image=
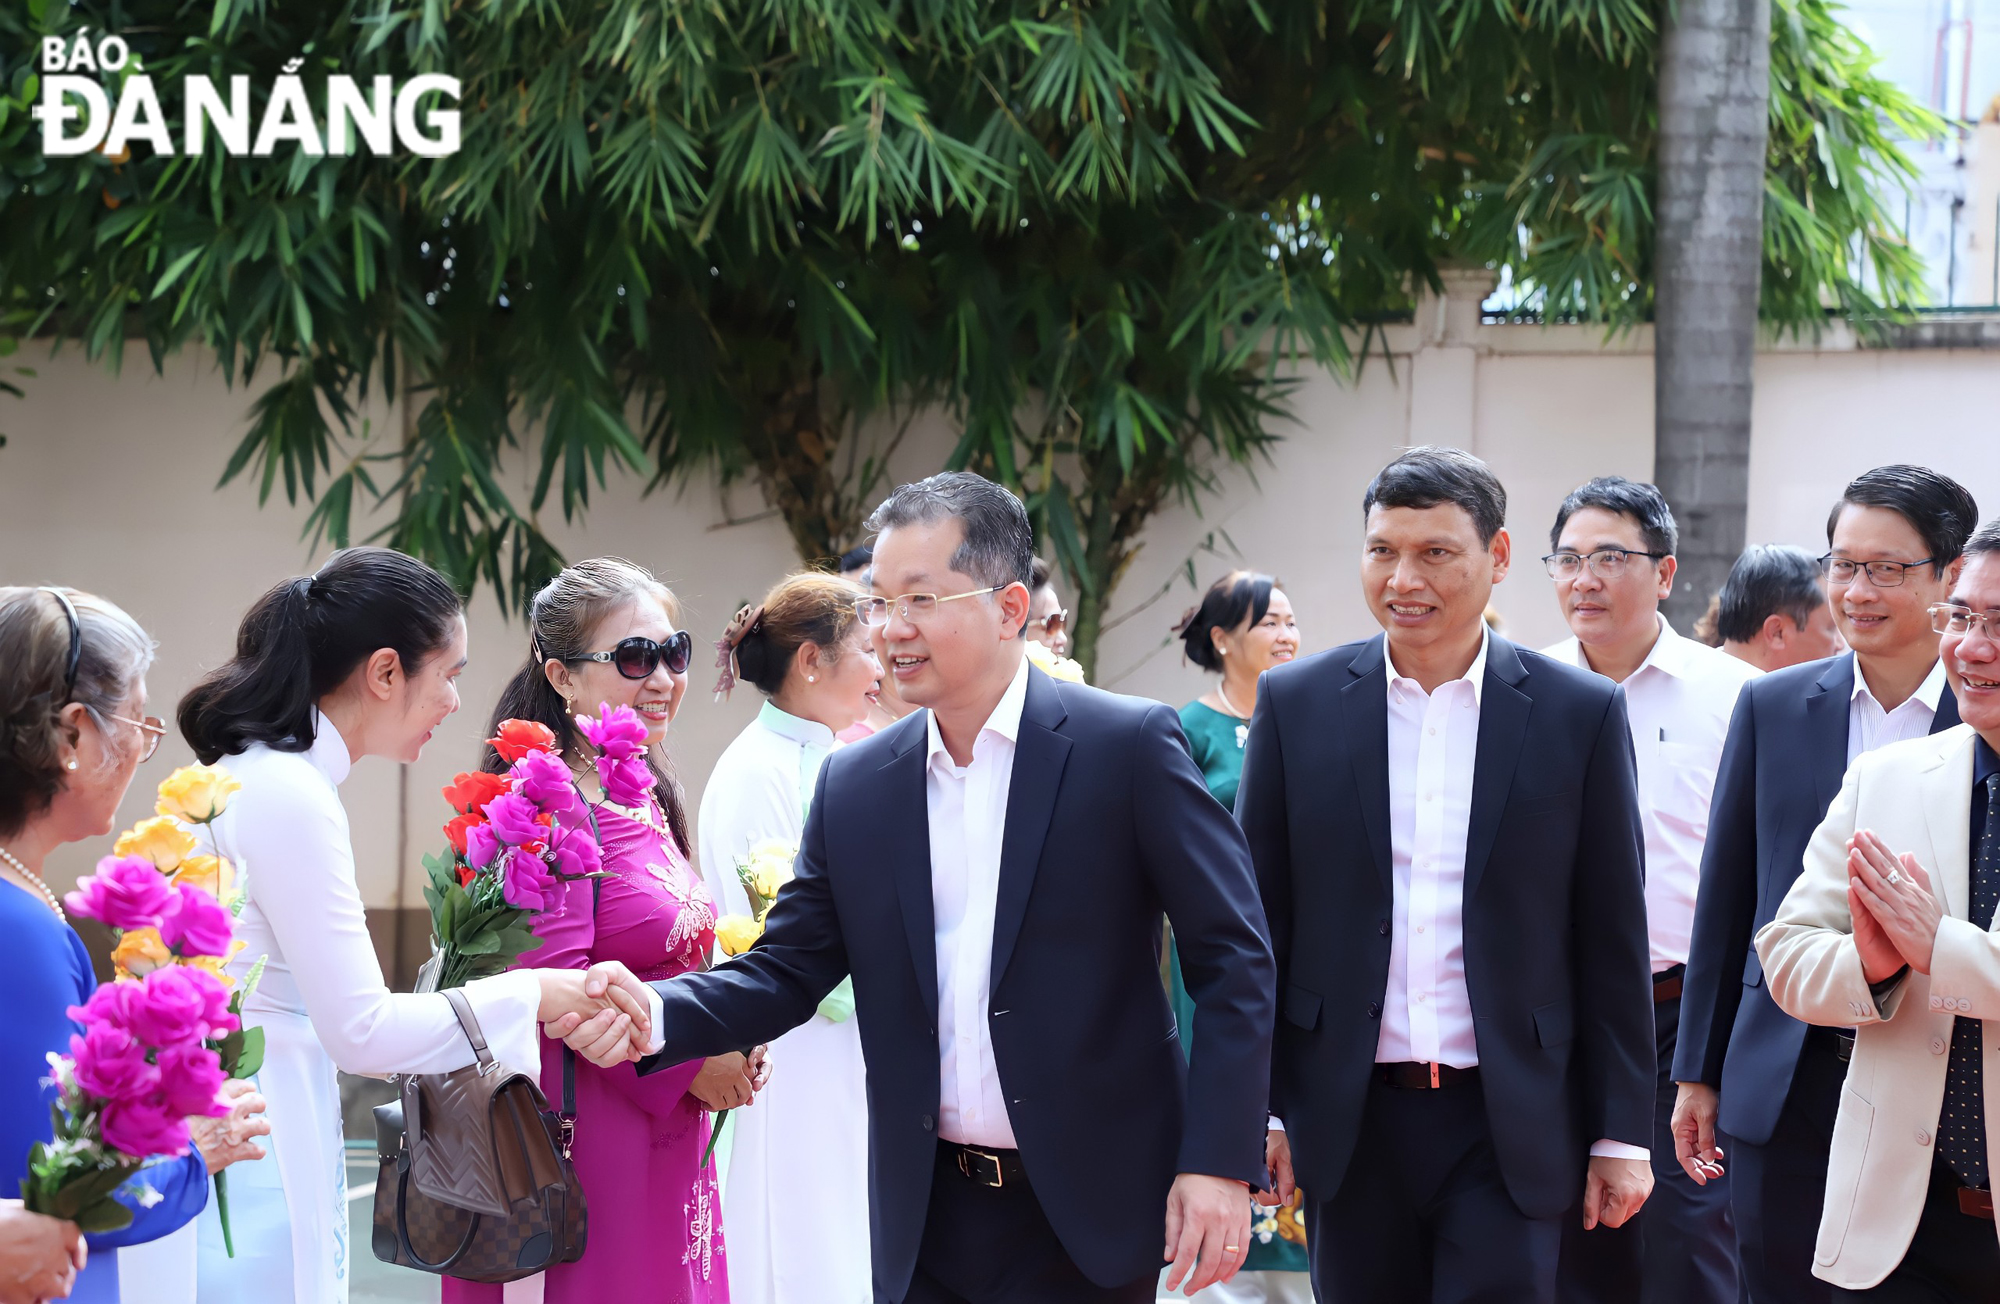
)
(109, 484)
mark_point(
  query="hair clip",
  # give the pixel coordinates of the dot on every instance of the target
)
(745, 623)
(1187, 618)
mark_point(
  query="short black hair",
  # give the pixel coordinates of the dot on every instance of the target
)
(1940, 509)
(1228, 601)
(855, 559)
(999, 547)
(1644, 503)
(1042, 574)
(1431, 475)
(1985, 539)
(1770, 579)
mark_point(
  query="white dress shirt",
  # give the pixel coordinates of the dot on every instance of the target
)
(1869, 726)
(1433, 753)
(1678, 703)
(1433, 749)
(968, 819)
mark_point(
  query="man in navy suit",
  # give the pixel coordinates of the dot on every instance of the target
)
(1744, 1067)
(993, 871)
(1447, 838)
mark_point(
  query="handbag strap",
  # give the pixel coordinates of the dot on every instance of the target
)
(468, 1021)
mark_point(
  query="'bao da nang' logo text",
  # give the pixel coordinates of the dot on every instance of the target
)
(385, 116)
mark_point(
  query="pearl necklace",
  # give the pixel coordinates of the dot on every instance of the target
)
(35, 880)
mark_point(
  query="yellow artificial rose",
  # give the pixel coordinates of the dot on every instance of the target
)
(139, 952)
(214, 963)
(768, 868)
(196, 793)
(735, 934)
(214, 875)
(161, 840)
(1053, 666)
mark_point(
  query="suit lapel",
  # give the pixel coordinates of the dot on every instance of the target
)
(904, 820)
(1364, 718)
(1503, 728)
(1826, 727)
(1947, 789)
(1039, 756)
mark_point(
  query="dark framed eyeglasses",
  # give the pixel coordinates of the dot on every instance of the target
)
(637, 658)
(1605, 563)
(1882, 574)
(1053, 623)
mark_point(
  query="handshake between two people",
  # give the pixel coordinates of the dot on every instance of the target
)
(1895, 916)
(605, 1014)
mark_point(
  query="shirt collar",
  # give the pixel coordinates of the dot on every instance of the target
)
(1476, 672)
(1929, 692)
(1005, 720)
(1669, 655)
(1984, 762)
(806, 733)
(328, 753)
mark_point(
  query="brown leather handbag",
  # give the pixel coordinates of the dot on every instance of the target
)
(476, 1180)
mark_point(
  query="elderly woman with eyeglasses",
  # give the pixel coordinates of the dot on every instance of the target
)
(795, 1190)
(73, 730)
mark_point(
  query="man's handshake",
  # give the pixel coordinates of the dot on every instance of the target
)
(604, 1012)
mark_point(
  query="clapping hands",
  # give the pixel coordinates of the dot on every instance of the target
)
(603, 1013)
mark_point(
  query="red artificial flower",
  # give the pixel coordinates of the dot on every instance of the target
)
(471, 792)
(466, 874)
(519, 737)
(456, 830)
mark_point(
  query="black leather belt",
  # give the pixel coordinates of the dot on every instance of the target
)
(1421, 1076)
(1838, 1040)
(1667, 983)
(986, 1167)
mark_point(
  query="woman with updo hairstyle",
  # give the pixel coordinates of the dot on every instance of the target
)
(1242, 627)
(797, 1187)
(73, 730)
(360, 659)
(602, 635)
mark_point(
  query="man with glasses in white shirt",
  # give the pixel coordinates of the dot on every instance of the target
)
(993, 870)
(1743, 1066)
(1612, 560)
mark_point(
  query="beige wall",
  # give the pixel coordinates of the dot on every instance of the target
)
(109, 484)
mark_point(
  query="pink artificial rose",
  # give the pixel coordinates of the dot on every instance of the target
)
(125, 892)
(576, 854)
(512, 819)
(111, 1003)
(190, 1078)
(111, 1063)
(481, 845)
(143, 1128)
(525, 882)
(626, 782)
(618, 732)
(195, 923)
(177, 1004)
(545, 780)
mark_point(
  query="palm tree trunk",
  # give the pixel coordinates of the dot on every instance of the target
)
(1715, 85)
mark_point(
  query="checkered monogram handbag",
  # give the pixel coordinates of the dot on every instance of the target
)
(476, 1180)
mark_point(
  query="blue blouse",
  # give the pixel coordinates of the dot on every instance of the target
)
(44, 970)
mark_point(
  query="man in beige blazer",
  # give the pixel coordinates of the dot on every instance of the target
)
(1889, 930)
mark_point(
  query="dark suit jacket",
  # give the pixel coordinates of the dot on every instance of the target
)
(1108, 825)
(1782, 765)
(1556, 962)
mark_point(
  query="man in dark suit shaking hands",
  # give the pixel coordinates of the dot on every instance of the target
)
(992, 870)
(1447, 839)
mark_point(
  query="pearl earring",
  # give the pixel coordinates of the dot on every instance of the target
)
(72, 763)
(812, 679)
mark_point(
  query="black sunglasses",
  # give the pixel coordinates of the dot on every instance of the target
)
(636, 658)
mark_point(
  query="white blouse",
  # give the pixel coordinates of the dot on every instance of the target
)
(759, 790)
(288, 834)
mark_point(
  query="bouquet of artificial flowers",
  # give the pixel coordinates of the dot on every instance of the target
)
(517, 837)
(170, 904)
